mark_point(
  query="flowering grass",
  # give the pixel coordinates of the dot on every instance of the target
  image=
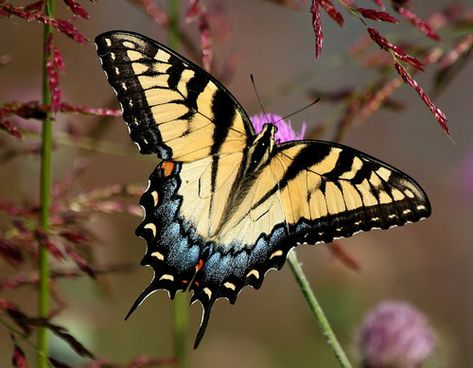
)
(399, 55)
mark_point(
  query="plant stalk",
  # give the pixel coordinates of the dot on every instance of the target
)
(317, 311)
(45, 198)
(180, 301)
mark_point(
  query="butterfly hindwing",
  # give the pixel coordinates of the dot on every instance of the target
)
(170, 105)
(180, 254)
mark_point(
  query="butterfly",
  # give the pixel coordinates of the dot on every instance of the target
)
(225, 205)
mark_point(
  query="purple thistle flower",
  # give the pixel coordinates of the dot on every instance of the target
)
(395, 335)
(285, 131)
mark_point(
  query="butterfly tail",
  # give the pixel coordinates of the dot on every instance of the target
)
(141, 298)
(203, 324)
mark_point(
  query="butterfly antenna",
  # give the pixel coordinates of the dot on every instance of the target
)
(259, 97)
(298, 111)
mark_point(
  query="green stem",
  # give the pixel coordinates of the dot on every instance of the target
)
(173, 28)
(180, 329)
(45, 199)
(317, 311)
(180, 301)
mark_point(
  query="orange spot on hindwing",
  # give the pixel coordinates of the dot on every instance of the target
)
(199, 265)
(167, 167)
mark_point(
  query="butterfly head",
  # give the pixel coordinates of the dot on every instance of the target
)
(262, 147)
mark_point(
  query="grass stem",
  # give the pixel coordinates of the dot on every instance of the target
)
(45, 198)
(317, 311)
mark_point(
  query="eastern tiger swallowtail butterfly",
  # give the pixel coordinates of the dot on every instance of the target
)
(225, 205)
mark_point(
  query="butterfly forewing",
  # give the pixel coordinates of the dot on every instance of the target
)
(172, 107)
(345, 191)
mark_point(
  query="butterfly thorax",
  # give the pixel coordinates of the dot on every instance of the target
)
(260, 151)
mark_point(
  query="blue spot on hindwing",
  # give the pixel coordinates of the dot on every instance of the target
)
(260, 251)
(239, 264)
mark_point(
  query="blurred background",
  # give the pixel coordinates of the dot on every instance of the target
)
(429, 264)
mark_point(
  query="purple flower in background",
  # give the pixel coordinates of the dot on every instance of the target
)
(395, 335)
(285, 131)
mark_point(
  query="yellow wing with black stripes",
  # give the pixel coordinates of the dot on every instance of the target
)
(226, 205)
(172, 107)
(329, 191)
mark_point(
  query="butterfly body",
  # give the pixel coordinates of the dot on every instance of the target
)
(226, 204)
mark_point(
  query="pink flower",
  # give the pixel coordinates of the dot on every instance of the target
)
(395, 335)
(285, 131)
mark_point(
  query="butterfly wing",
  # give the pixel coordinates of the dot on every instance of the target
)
(327, 191)
(172, 107)
(181, 211)
(177, 110)
(310, 191)
(313, 192)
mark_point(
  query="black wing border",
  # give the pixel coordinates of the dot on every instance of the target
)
(246, 119)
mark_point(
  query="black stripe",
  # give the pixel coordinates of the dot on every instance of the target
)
(344, 164)
(175, 72)
(223, 110)
(195, 87)
(307, 157)
(148, 49)
(310, 155)
(363, 173)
